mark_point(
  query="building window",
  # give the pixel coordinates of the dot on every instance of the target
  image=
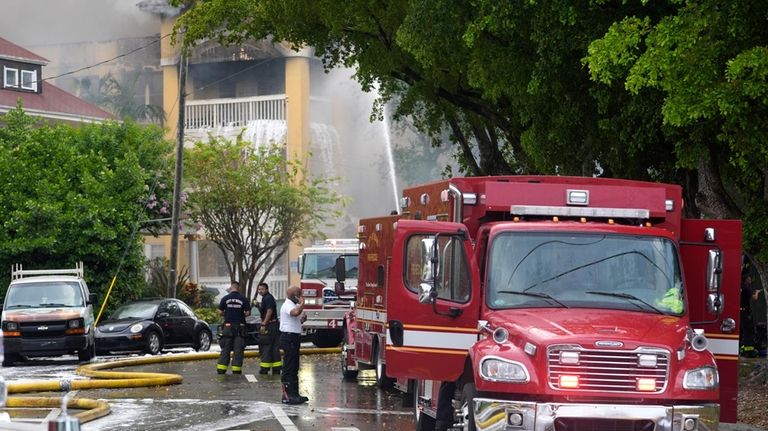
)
(11, 77)
(156, 251)
(29, 80)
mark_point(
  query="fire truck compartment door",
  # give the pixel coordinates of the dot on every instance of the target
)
(430, 340)
(723, 341)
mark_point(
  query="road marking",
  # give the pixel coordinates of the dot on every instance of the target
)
(345, 429)
(251, 378)
(283, 419)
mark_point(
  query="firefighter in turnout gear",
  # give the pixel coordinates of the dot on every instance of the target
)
(234, 307)
(269, 348)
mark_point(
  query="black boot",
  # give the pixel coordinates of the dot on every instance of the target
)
(276, 371)
(288, 396)
(264, 370)
(295, 387)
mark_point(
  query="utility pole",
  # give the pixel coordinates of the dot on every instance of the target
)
(177, 179)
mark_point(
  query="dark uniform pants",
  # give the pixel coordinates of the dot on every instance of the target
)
(269, 347)
(232, 341)
(290, 344)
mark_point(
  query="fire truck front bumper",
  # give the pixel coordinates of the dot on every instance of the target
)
(496, 415)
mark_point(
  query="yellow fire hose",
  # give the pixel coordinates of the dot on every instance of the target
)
(114, 379)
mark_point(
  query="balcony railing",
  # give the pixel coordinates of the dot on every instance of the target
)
(234, 112)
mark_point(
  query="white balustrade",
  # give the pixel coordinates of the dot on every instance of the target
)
(233, 112)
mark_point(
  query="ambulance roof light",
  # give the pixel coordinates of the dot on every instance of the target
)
(551, 211)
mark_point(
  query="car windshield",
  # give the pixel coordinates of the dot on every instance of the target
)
(136, 310)
(555, 269)
(44, 294)
(323, 266)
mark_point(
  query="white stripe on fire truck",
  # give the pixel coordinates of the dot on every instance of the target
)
(372, 315)
(437, 340)
(723, 347)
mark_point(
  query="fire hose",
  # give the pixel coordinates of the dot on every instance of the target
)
(103, 378)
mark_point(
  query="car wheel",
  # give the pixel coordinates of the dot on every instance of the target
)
(10, 359)
(203, 343)
(153, 344)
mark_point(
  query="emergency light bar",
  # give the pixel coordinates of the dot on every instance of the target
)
(540, 210)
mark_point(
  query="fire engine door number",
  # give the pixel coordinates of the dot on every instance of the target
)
(332, 324)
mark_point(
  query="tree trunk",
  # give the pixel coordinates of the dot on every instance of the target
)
(711, 198)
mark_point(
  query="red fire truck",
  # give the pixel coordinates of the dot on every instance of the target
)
(557, 303)
(327, 300)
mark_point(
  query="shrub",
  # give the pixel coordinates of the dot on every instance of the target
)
(209, 314)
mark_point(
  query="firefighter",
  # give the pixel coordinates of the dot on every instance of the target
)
(747, 326)
(291, 318)
(234, 307)
(269, 348)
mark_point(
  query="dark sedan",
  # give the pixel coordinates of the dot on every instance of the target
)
(150, 325)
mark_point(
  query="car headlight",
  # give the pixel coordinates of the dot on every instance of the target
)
(701, 379)
(75, 323)
(11, 326)
(136, 328)
(502, 370)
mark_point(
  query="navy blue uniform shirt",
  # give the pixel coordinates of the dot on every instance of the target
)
(234, 305)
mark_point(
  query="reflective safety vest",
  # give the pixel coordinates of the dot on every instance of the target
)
(672, 301)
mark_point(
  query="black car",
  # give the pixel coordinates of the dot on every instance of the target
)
(150, 325)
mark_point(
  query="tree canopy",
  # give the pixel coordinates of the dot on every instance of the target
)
(669, 91)
(74, 194)
(252, 202)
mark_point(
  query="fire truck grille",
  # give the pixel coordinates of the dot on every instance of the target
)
(579, 424)
(574, 368)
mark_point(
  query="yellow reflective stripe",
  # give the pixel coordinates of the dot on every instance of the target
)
(236, 368)
(221, 367)
(271, 364)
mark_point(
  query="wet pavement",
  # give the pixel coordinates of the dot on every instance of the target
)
(206, 401)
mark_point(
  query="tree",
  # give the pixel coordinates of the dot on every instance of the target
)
(709, 62)
(74, 194)
(252, 203)
(120, 99)
(665, 91)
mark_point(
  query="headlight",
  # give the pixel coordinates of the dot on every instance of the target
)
(75, 323)
(502, 370)
(136, 328)
(701, 379)
(11, 326)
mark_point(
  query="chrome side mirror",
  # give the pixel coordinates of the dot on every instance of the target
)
(425, 296)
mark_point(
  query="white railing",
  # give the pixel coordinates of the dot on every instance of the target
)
(234, 112)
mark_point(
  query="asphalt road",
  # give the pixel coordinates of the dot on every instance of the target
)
(206, 401)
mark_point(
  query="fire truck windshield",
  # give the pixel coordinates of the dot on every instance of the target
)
(584, 270)
(323, 265)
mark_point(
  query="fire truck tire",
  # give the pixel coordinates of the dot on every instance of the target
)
(468, 393)
(327, 338)
(345, 371)
(424, 422)
(382, 381)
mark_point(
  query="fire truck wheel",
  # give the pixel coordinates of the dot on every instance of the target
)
(382, 381)
(345, 371)
(327, 338)
(467, 415)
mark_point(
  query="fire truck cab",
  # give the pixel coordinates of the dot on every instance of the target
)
(550, 303)
(326, 297)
